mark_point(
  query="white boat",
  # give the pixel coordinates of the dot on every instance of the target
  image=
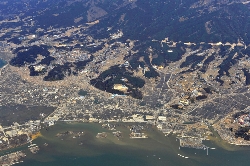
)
(186, 157)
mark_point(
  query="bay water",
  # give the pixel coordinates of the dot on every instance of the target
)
(157, 149)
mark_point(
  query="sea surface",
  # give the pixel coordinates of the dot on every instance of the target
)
(2, 63)
(156, 150)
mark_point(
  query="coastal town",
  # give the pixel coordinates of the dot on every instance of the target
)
(172, 102)
(66, 75)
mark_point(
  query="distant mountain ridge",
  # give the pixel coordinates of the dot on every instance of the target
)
(180, 20)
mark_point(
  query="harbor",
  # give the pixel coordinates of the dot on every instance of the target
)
(59, 144)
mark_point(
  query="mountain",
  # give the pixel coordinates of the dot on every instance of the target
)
(191, 34)
(189, 20)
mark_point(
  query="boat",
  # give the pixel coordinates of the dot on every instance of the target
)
(186, 157)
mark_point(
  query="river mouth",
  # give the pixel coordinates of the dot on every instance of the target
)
(157, 149)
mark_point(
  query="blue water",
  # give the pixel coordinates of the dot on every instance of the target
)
(2, 63)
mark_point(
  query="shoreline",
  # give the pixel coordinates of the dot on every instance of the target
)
(208, 138)
(75, 144)
(75, 124)
(214, 138)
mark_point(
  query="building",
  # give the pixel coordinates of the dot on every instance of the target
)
(162, 118)
(120, 87)
(150, 117)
